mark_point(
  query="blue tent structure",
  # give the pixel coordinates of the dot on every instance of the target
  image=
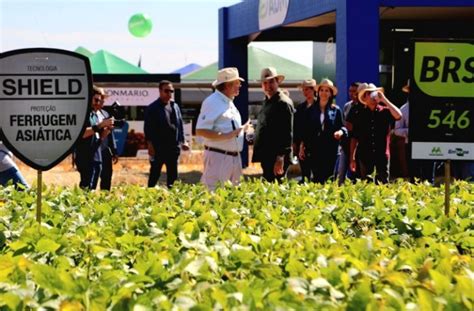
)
(187, 69)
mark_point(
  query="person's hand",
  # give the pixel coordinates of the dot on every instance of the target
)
(115, 159)
(107, 123)
(353, 165)
(151, 150)
(278, 166)
(234, 133)
(185, 146)
(247, 126)
(381, 99)
(338, 134)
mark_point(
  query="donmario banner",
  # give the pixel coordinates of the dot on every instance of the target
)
(45, 97)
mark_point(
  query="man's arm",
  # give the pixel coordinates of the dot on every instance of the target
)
(217, 136)
(394, 111)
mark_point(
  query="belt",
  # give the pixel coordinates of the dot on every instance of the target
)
(231, 153)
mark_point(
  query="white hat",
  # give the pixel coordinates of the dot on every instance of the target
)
(328, 83)
(270, 73)
(366, 87)
(309, 83)
(227, 74)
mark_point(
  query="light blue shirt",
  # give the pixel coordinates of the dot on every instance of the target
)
(218, 113)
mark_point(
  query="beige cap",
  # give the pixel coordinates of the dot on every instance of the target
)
(270, 73)
(227, 74)
(366, 87)
(328, 83)
(309, 83)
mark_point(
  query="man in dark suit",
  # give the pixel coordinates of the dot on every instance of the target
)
(274, 133)
(164, 135)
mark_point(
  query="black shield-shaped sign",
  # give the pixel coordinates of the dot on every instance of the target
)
(45, 97)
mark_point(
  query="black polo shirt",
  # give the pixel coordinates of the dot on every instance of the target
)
(372, 130)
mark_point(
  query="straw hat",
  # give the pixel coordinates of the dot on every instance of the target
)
(406, 88)
(366, 87)
(227, 74)
(309, 83)
(270, 73)
(327, 83)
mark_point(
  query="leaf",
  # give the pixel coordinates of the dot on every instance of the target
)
(425, 300)
(71, 306)
(55, 281)
(47, 245)
(361, 298)
(17, 245)
(11, 301)
(442, 284)
(429, 228)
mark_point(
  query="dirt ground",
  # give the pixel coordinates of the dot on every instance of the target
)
(127, 171)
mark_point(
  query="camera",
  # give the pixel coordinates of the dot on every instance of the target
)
(118, 113)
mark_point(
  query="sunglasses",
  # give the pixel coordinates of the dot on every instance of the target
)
(168, 91)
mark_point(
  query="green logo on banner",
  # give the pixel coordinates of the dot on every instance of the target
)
(445, 69)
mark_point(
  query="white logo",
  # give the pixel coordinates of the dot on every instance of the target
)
(272, 13)
(44, 99)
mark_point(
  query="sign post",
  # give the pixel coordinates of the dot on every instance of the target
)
(441, 109)
(45, 97)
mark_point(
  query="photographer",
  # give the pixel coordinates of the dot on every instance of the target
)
(108, 146)
(371, 131)
(96, 149)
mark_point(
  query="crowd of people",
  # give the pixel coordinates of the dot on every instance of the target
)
(328, 143)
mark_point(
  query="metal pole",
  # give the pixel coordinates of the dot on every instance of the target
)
(447, 182)
(39, 195)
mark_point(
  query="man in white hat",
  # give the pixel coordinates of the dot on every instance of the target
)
(274, 134)
(371, 132)
(220, 124)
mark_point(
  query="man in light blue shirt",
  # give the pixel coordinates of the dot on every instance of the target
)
(220, 125)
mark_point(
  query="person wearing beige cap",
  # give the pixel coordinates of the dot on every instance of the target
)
(308, 87)
(220, 125)
(323, 129)
(371, 133)
(274, 133)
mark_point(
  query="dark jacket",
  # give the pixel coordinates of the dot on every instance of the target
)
(299, 122)
(274, 133)
(165, 131)
(319, 139)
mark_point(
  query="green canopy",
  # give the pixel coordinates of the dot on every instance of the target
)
(258, 59)
(84, 51)
(105, 62)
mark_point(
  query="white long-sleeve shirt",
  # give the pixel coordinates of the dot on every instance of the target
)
(401, 126)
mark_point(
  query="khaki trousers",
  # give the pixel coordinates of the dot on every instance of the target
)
(219, 168)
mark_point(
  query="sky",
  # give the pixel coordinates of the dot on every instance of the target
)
(184, 31)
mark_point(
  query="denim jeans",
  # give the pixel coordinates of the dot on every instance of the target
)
(12, 174)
